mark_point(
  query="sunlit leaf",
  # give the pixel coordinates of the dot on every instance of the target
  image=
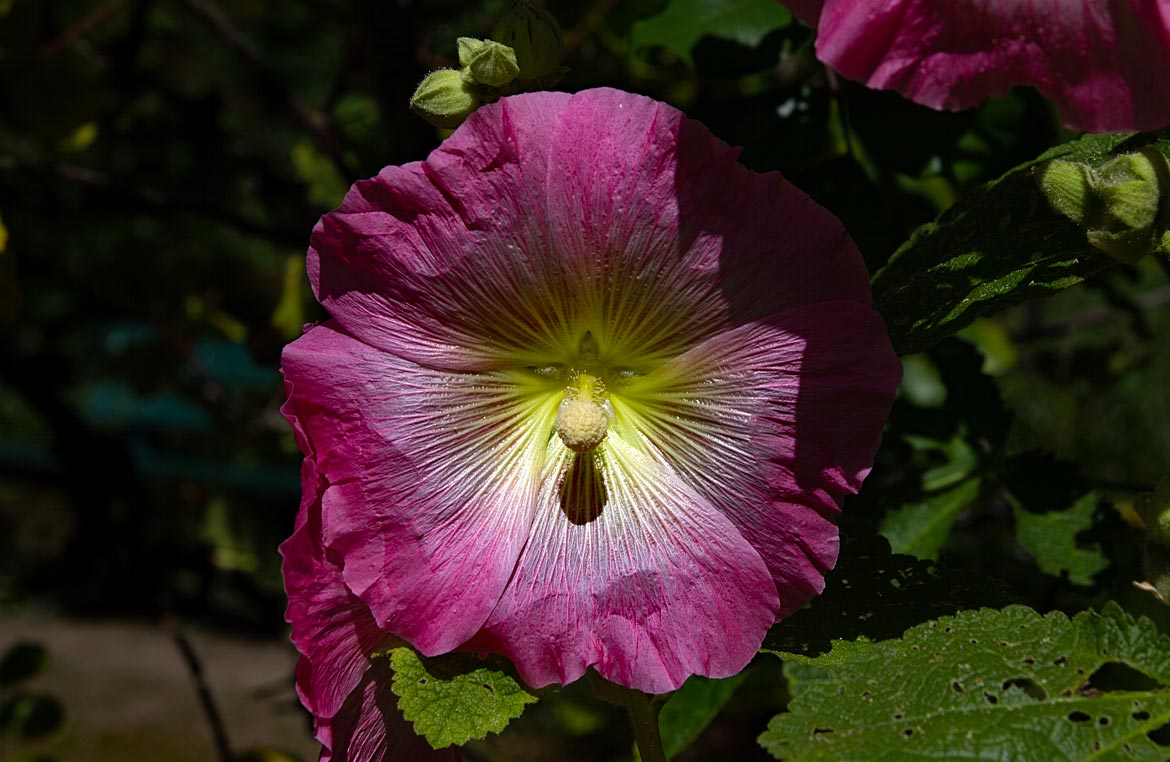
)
(452, 699)
(987, 684)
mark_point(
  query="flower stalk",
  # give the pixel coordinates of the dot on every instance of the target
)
(642, 708)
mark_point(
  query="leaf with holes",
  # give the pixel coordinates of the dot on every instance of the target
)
(988, 684)
(452, 699)
(683, 22)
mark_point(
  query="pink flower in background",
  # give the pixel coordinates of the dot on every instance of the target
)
(591, 395)
(1106, 63)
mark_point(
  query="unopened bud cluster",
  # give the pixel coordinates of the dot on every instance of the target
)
(1124, 205)
(525, 55)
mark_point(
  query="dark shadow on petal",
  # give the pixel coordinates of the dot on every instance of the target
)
(370, 728)
(583, 494)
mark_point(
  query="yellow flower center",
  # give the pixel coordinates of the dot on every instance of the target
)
(582, 417)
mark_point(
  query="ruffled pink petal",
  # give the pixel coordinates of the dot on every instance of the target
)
(1104, 62)
(369, 727)
(430, 496)
(547, 212)
(654, 587)
(331, 627)
(775, 443)
(447, 262)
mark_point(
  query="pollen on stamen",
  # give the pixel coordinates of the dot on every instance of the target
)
(581, 424)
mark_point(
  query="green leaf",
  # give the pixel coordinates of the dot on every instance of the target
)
(452, 699)
(922, 527)
(21, 661)
(691, 709)
(999, 246)
(683, 22)
(987, 684)
(1051, 538)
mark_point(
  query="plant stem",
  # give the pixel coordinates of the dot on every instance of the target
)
(643, 711)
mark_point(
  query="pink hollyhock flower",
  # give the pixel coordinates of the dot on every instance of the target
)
(1104, 62)
(590, 396)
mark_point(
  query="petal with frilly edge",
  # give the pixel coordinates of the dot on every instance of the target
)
(1104, 62)
(432, 480)
(331, 627)
(355, 716)
(651, 586)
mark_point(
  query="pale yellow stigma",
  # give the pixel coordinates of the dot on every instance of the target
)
(582, 420)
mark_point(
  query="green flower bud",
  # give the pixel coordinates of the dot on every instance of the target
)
(444, 99)
(487, 62)
(1131, 188)
(1125, 205)
(536, 37)
(1068, 186)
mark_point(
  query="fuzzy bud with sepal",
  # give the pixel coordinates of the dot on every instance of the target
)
(1125, 205)
(444, 99)
(487, 62)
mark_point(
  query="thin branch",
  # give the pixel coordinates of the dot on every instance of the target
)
(312, 120)
(206, 700)
(78, 28)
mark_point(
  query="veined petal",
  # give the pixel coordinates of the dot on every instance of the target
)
(431, 478)
(653, 588)
(772, 423)
(1103, 61)
(630, 184)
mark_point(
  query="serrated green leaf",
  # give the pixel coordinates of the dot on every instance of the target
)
(452, 699)
(691, 709)
(1051, 537)
(920, 528)
(999, 246)
(683, 22)
(1010, 685)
